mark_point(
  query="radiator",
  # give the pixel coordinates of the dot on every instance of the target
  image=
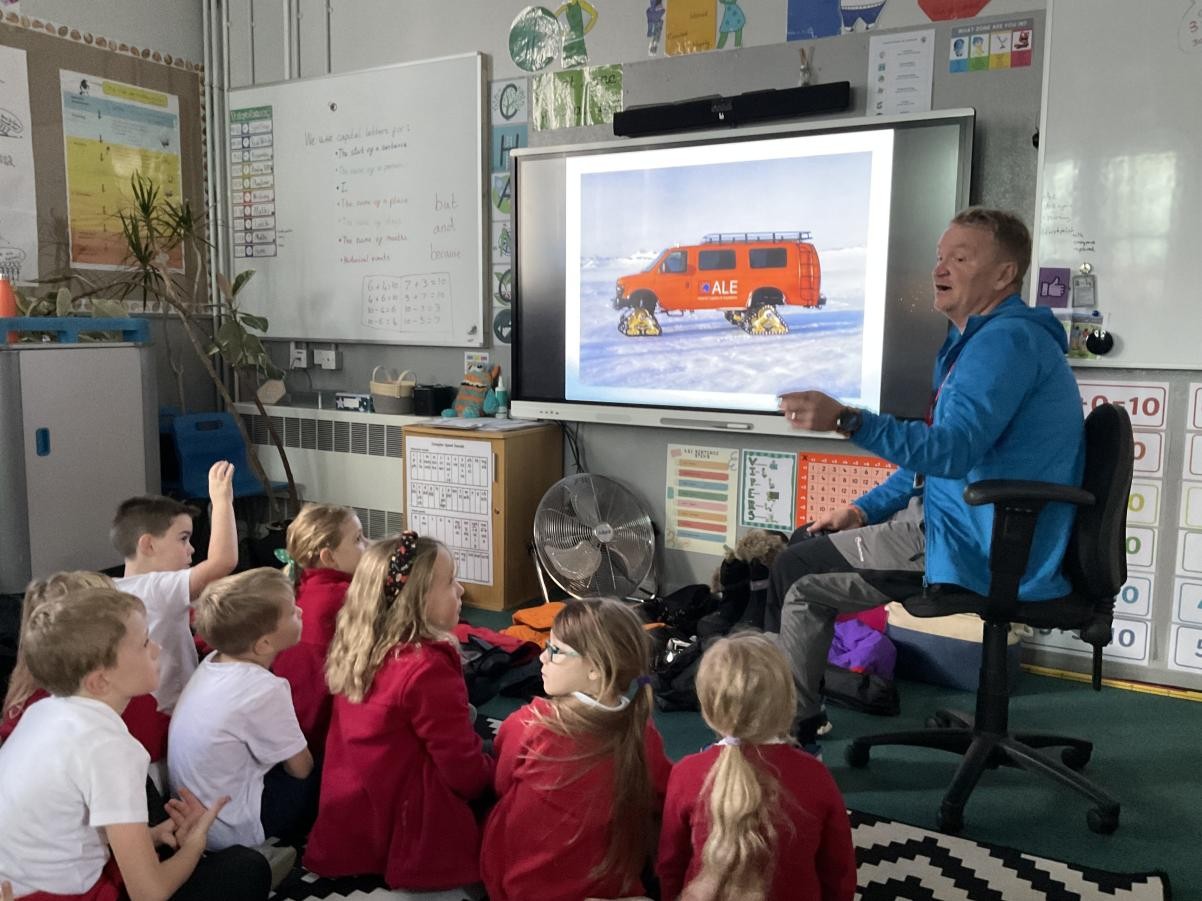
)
(339, 457)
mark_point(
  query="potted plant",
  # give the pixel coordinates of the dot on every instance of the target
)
(155, 229)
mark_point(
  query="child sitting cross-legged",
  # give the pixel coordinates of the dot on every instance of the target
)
(402, 761)
(753, 817)
(72, 779)
(581, 777)
(325, 542)
(234, 722)
(140, 714)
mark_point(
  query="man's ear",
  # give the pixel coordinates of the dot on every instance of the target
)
(1007, 273)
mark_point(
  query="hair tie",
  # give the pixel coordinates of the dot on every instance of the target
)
(291, 567)
(400, 564)
(730, 741)
(636, 683)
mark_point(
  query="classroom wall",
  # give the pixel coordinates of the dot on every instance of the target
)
(366, 33)
(169, 26)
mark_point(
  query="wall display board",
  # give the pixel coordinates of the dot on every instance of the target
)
(1125, 200)
(358, 199)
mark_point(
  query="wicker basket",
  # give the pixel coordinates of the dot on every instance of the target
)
(392, 392)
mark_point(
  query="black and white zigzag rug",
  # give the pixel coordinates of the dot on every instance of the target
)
(895, 860)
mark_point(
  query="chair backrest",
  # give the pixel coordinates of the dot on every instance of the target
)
(1097, 558)
(201, 439)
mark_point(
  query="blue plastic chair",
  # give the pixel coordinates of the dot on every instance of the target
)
(201, 439)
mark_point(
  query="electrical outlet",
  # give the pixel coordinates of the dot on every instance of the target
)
(298, 355)
(327, 359)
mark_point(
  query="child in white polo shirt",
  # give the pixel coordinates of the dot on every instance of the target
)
(235, 720)
(72, 779)
(154, 535)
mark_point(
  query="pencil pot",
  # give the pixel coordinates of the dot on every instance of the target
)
(392, 392)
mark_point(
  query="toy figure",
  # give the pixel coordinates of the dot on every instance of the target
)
(476, 396)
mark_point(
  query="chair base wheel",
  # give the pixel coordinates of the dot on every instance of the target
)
(1102, 820)
(950, 819)
(856, 755)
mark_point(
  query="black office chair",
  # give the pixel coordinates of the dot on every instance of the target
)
(1096, 566)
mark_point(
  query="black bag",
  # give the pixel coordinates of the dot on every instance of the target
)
(680, 610)
(865, 692)
(672, 681)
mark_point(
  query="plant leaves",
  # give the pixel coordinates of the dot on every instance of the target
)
(223, 285)
(240, 281)
(258, 323)
(62, 302)
(103, 308)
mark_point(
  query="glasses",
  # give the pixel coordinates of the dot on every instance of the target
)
(554, 651)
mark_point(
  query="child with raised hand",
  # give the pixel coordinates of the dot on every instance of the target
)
(154, 535)
(325, 542)
(77, 778)
(753, 817)
(235, 722)
(402, 763)
(580, 777)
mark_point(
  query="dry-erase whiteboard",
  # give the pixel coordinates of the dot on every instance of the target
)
(1120, 176)
(359, 199)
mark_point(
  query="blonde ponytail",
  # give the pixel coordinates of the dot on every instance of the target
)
(746, 692)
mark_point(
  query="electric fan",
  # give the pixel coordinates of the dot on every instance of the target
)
(593, 537)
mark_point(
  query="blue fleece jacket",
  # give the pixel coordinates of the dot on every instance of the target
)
(1008, 408)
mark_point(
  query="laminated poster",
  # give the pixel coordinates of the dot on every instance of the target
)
(702, 494)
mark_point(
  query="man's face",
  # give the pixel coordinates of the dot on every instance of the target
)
(969, 276)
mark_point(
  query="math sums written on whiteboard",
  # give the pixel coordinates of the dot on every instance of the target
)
(408, 303)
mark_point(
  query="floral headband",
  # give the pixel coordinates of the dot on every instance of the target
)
(400, 564)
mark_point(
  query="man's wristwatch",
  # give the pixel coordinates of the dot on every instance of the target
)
(848, 422)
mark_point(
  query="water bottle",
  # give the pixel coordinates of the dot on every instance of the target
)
(502, 395)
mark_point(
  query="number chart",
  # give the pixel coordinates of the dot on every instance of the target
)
(1186, 639)
(827, 481)
(449, 487)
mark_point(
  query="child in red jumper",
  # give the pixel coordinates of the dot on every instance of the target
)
(140, 714)
(581, 777)
(753, 816)
(326, 542)
(402, 760)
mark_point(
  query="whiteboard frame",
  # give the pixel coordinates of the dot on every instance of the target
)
(484, 237)
(1104, 362)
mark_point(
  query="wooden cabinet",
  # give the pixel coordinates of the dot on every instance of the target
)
(456, 481)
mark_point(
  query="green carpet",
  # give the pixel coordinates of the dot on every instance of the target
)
(1147, 753)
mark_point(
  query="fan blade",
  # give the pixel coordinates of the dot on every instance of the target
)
(582, 496)
(578, 562)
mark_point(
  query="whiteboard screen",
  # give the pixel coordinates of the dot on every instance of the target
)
(1120, 180)
(358, 199)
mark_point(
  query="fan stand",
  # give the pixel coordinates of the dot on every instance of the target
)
(538, 569)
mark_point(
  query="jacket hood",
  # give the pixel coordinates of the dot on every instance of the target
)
(1013, 306)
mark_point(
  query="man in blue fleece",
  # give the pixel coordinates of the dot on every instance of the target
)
(1004, 405)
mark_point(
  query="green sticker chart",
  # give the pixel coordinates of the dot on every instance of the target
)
(359, 200)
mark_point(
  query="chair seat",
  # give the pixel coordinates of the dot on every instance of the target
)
(1069, 612)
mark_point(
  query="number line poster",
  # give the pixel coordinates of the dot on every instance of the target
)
(702, 498)
(448, 488)
(110, 131)
(767, 488)
(1186, 651)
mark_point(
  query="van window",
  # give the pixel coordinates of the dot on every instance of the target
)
(768, 257)
(716, 259)
(677, 261)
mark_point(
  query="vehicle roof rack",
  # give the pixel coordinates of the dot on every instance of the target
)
(733, 237)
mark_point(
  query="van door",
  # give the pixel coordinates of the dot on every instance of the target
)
(717, 280)
(675, 280)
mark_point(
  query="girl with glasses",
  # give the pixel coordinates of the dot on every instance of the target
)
(580, 775)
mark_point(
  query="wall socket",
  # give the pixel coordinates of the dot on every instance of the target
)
(327, 359)
(298, 355)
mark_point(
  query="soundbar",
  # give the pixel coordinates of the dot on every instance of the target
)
(741, 109)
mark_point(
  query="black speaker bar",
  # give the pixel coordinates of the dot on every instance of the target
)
(741, 109)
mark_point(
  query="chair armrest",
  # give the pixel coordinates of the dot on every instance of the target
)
(1013, 491)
